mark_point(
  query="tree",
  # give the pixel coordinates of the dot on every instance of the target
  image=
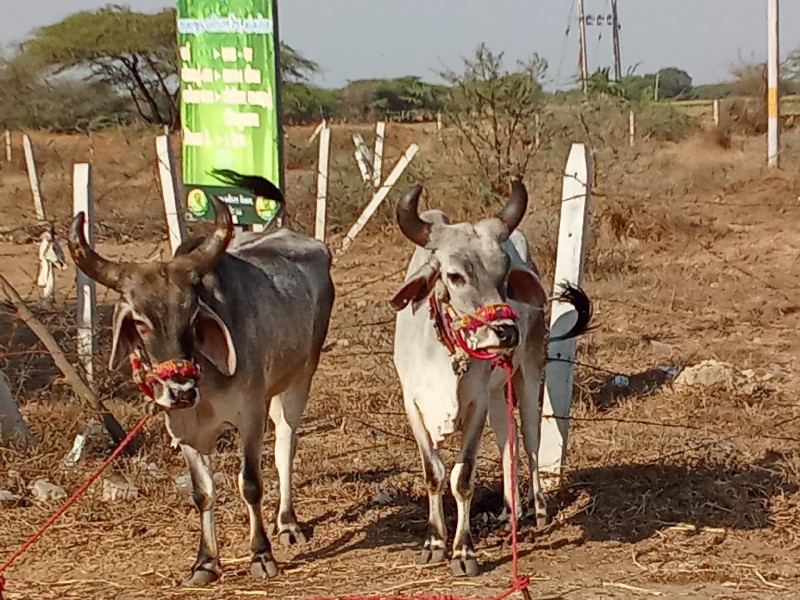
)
(132, 52)
(493, 112)
(129, 51)
(673, 83)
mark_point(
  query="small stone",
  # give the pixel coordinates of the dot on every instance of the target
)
(44, 491)
(620, 381)
(184, 484)
(6, 496)
(344, 343)
(115, 490)
(361, 304)
(384, 497)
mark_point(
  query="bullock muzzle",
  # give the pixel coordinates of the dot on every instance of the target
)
(170, 384)
(491, 328)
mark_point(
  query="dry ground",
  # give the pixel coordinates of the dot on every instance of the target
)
(684, 494)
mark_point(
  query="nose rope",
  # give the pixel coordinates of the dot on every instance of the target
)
(450, 327)
(145, 376)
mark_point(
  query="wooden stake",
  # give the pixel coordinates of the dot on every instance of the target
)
(379, 196)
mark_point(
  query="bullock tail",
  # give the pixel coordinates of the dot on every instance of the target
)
(257, 185)
(575, 296)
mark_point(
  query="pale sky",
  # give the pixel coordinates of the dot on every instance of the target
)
(355, 39)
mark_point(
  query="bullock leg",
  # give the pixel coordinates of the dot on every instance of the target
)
(433, 547)
(206, 568)
(528, 387)
(251, 487)
(462, 484)
(286, 411)
(498, 419)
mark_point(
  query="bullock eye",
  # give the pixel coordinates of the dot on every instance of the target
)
(456, 278)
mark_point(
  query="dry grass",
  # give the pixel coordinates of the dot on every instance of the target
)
(670, 491)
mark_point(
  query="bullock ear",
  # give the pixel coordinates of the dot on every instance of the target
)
(525, 286)
(213, 340)
(417, 287)
(124, 335)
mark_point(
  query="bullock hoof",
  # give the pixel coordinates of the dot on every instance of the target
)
(430, 556)
(464, 565)
(263, 566)
(202, 575)
(290, 535)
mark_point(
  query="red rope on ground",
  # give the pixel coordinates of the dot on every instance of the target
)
(70, 501)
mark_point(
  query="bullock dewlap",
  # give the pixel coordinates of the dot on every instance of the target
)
(221, 338)
(472, 299)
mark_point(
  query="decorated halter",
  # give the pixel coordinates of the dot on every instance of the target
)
(451, 329)
(145, 376)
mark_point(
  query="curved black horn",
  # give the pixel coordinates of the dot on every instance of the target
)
(207, 254)
(414, 228)
(511, 214)
(102, 270)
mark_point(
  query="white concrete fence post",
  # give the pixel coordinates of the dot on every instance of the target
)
(559, 373)
(715, 112)
(320, 222)
(8, 145)
(631, 129)
(377, 156)
(33, 178)
(83, 201)
(172, 192)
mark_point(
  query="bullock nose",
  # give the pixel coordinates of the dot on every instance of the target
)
(507, 335)
(182, 391)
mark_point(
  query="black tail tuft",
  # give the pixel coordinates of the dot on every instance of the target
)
(575, 296)
(257, 185)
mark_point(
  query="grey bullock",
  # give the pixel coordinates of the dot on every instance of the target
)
(458, 273)
(253, 319)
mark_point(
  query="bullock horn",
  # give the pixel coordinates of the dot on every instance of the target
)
(414, 228)
(102, 270)
(205, 256)
(511, 214)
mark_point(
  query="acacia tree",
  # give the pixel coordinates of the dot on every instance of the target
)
(493, 112)
(132, 52)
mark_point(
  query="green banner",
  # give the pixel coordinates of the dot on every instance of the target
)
(229, 103)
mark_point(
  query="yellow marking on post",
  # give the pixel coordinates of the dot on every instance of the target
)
(772, 103)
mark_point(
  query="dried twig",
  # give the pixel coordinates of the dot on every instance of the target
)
(74, 379)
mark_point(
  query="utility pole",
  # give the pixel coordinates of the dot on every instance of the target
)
(773, 91)
(584, 62)
(617, 55)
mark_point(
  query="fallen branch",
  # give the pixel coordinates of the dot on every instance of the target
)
(76, 382)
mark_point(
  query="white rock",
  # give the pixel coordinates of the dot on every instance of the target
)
(44, 491)
(384, 497)
(708, 373)
(184, 484)
(6, 496)
(114, 491)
